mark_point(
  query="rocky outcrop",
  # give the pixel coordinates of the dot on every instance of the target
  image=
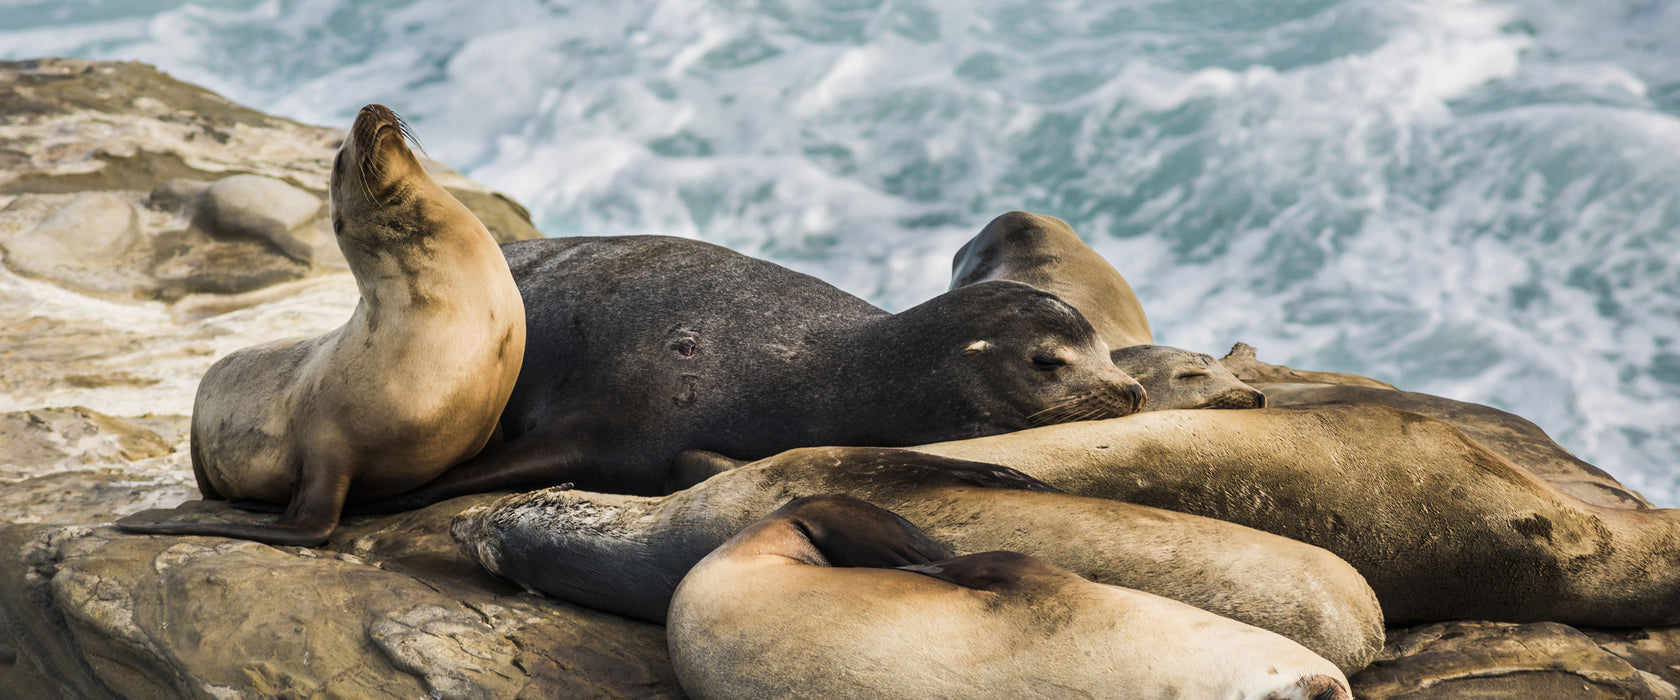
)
(116, 179)
(150, 227)
(388, 610)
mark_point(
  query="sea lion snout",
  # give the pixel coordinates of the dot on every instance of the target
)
(1138, 396)
(1313, 687)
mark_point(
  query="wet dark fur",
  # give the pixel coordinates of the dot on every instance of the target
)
(642, 347)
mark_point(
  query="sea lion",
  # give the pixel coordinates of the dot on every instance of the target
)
(1442, 528)
(625, 554)
(1506, 434)
(641, 347)
(409, 386)
(1243, 361)
(1043, 251)
(1175, 378)
(802, 604)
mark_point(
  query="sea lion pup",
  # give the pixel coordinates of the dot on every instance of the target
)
(409, 386)
(800, 604)
(625, 554)
(1175, 378)
(1506, 434)
(1441, 528)
(641, 347)
(1043, 251)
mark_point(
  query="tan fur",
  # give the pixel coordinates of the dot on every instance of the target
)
(623, 554)
(1507, 435)
(757, 618)
(412, 384)
(1044, 251)
(1440, 527)
(1174, 378)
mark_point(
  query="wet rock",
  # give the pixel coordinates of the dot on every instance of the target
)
(1453, 660)
(46, 440)
(137, 616)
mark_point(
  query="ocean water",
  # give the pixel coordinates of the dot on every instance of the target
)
(1473, 199)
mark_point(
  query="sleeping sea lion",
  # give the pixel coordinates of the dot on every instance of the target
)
(625, 554)
(803, 603)
(642, 347)
(1441, 528)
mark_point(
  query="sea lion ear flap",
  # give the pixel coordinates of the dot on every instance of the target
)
(976, 347)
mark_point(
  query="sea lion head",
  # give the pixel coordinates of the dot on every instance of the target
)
(1177, 378)
(375, 177)
(1034, 358)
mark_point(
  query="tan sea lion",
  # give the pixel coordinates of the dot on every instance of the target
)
(1506, 434)
(1043, 251)
(1441, 528)
(1175, 378)
(801, 604)
(1243, 361)
(411, 385)
(625, 554)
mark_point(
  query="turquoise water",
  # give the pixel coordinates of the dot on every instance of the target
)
(1473, 199)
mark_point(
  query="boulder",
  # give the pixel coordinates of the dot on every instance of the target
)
(260, 208)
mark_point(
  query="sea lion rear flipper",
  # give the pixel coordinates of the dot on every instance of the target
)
(996, 572)
(850, 532)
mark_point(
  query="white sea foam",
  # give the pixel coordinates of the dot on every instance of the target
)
(1475, 199)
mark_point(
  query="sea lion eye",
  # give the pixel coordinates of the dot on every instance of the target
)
(1048, 364)
(1192, 375)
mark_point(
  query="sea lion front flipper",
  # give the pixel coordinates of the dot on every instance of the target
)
(531, 462)
(312, 515)
(694, 466)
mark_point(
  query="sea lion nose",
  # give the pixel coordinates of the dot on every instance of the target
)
(1259, 399)
(1139, 396)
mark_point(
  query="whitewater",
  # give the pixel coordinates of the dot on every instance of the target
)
(1472, 199)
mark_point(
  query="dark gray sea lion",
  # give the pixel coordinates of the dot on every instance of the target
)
(1175, 378)
(1442, 528)
(1506, 434)
(801, 604)
(1043, 251)
(642, 347)
(410, 386)
(625, 554)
